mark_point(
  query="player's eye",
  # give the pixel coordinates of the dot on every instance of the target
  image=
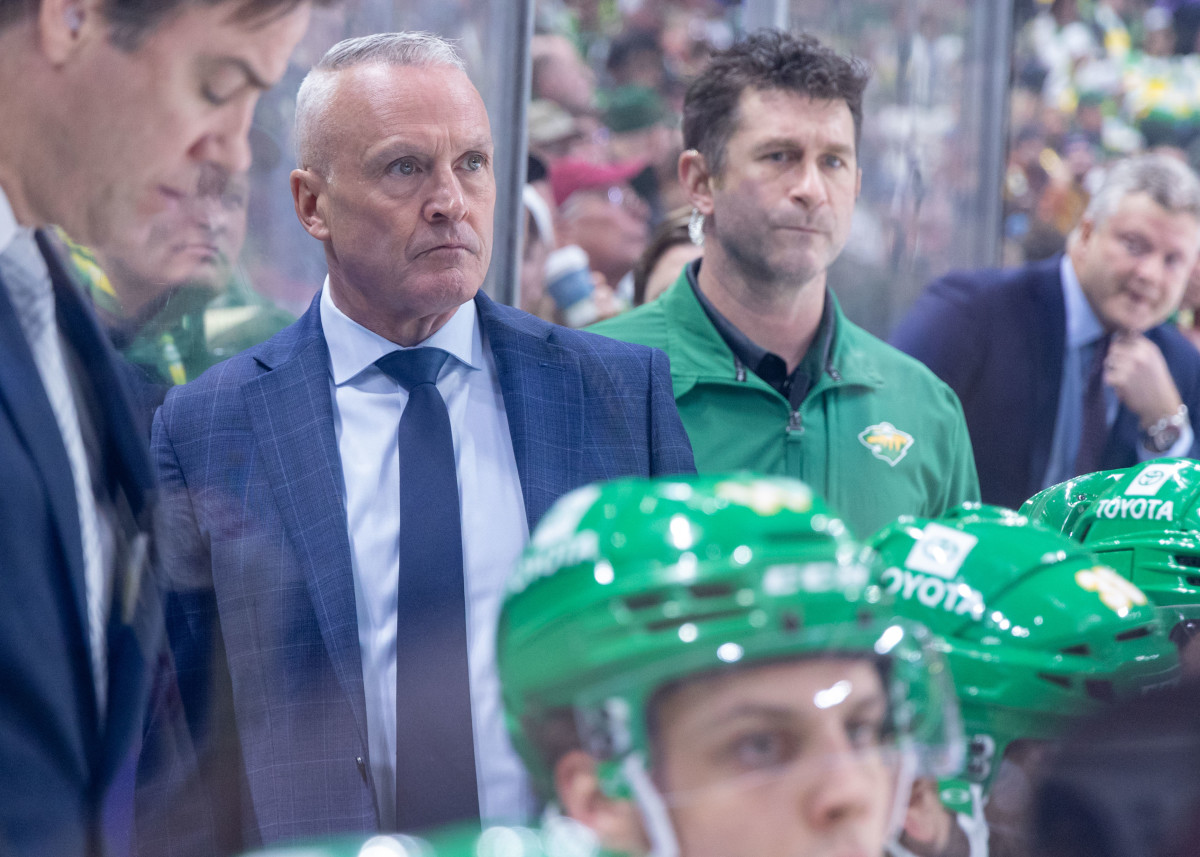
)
(761, 749)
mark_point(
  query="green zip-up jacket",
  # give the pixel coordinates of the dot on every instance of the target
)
(878, 435)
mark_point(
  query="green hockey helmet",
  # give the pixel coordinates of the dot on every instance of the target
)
(630, 586)
(1144, 521)
(558, 837)
(1038, 633)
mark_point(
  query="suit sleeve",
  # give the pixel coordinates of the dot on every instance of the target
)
(942, 330)
(670, 449)
(188, 795)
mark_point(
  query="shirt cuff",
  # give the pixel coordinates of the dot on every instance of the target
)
(1179, 449)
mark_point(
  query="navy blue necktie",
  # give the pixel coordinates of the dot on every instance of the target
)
(1093, 435)
(435, 751)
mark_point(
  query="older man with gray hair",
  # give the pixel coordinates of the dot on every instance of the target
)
(1067, 366)
(343, 502)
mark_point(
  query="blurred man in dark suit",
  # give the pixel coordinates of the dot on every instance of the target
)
(108, 109)
(1068, 366)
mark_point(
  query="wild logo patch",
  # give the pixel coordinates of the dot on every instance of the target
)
(886, 442)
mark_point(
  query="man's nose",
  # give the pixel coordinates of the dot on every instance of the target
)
(841, 786)
(226, 142)
(1152, 267)
(446, 199)
(808, 188)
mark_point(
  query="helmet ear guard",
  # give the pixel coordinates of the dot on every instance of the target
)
(606, 732)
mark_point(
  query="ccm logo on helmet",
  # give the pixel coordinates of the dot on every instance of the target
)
(957, 598)
(1137, 508)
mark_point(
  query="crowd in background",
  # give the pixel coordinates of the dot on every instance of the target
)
(268, 499)
(1093, 81)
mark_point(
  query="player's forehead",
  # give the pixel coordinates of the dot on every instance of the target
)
(794, 689)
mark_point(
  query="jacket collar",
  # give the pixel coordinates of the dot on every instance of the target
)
(699, 354)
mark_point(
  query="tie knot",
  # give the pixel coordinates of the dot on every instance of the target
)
(413, 366)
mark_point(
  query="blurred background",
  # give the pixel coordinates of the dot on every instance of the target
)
(987, 124)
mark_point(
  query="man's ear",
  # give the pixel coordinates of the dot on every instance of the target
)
(1085, 229)
(927, 822)
(63, 25)
(616, 823)
(697, 180)
(307, 187)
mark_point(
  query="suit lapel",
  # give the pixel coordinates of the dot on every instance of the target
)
(134, 628)
(538, 380)
(24, 399)
(291, 410)
(1047, 318)
(123, 435)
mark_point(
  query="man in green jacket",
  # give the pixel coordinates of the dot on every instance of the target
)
(768, 373)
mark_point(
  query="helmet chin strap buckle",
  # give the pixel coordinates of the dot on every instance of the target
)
(663, 842)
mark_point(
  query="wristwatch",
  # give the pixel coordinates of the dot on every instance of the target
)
(1162, 435)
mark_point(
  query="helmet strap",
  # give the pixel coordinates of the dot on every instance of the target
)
(975, 825)
(663, 842)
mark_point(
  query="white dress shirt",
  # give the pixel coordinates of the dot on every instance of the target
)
(1083, 329)
(27, 280)
(367, 406)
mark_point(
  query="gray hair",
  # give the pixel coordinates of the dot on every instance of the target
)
(413, 49)
(1166, 180)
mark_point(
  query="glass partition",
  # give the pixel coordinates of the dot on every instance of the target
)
(281, 261)
(932, 142)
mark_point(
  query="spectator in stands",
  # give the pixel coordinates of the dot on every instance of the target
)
(560, 74)
(642, 128)
(599, 211)
(636, 59)
(669, 250)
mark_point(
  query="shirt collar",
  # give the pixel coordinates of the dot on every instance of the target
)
(1083, 328)
(29, 258)
(354, 349)
(8, 222)
(750, 353)
(10, 231)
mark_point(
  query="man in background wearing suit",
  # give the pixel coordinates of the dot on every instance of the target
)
(107, 112)
(1067, 366)
(343, 502)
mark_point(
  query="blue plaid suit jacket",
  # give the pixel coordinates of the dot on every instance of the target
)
(260, 736)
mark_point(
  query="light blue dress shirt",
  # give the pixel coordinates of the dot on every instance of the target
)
(1083, 330)
(367, 406)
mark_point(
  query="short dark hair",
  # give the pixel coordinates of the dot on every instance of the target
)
(130, 21)
(766, 60)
